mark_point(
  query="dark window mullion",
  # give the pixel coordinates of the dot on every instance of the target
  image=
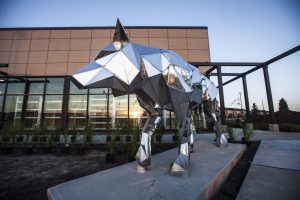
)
(25, 100)
(3, 104)
(43, 104)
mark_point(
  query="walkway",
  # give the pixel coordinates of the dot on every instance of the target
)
(275, 171)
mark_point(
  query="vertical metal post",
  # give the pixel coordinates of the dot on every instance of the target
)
(87, 118)
(248, 119)
(42, 121)
(2, 117)
(25, 100)
(65, 104)
(221, 94)
(269, 94)
(107, 111)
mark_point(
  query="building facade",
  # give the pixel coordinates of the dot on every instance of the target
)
(36, 65)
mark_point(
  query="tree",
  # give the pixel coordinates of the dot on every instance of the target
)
(283, 106)
(254, 110)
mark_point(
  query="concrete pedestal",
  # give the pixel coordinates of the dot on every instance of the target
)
(274, 173)
(210, 166)
(274, 127)
(249, 126)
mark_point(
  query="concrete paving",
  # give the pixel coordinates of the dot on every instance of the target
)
(209, 168)
(258, 135)
(268, 135)
(274, 173)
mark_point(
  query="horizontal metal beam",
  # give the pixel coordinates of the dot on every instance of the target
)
(243, 74)
(223, 64)
(285, 54)
(210, 70)
(225, 74)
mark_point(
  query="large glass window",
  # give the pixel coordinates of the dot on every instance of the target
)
(98, 91)
(137, 114)
(34, 103)
(53, 110)
(169, 120)
(55, 85)
(13, 107)
(75, 90)
(98, 111)
(53, 102)
(2, 91)
(119, 110)
(33, 111)
(77, 107)
(77, 111)
(1, 103)
(2, 85)
(16, 86)
(36, 85)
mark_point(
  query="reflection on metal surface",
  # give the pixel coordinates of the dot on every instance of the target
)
(161, 80)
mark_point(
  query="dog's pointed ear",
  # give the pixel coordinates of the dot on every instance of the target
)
(120, 33)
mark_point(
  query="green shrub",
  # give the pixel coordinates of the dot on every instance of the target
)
(289, 128)
(234, 123)
(262, 126)
(230, 133)
(248, 133)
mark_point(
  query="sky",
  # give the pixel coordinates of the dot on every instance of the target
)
(239, 31)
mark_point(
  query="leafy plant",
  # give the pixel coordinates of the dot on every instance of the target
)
(160, 131)
(89, 133)
(135, 140)
(12, 129)
(231, 133)
(4, 135)
(248, 133)
(75, 134)
(65, 135)
(112, 145)
(38, 131)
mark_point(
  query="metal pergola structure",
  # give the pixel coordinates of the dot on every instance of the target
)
(256, 66)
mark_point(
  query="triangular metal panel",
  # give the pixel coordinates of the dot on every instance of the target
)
(103, 53)
(145, 50)
(104, 60)
(155, 60)
(132, 54)
(119, 85)
(159, 86)
(101, 75)
(106, 83)
(91, 66)
(197, 76)
(120, 34)
(84, 77)
(182, 81)
(151, 70)
(122, 68)
(177, 60)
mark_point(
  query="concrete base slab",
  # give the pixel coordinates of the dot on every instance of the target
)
(270, 184)
(210, 166)
(274, 173)
(278, 153)
(274, 127)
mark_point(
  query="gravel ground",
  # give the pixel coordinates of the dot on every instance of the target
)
(29, 176)
(232, 185)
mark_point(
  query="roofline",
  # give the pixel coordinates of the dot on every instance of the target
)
(104, 27)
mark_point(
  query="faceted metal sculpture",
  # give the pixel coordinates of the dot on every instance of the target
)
(161, 80)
